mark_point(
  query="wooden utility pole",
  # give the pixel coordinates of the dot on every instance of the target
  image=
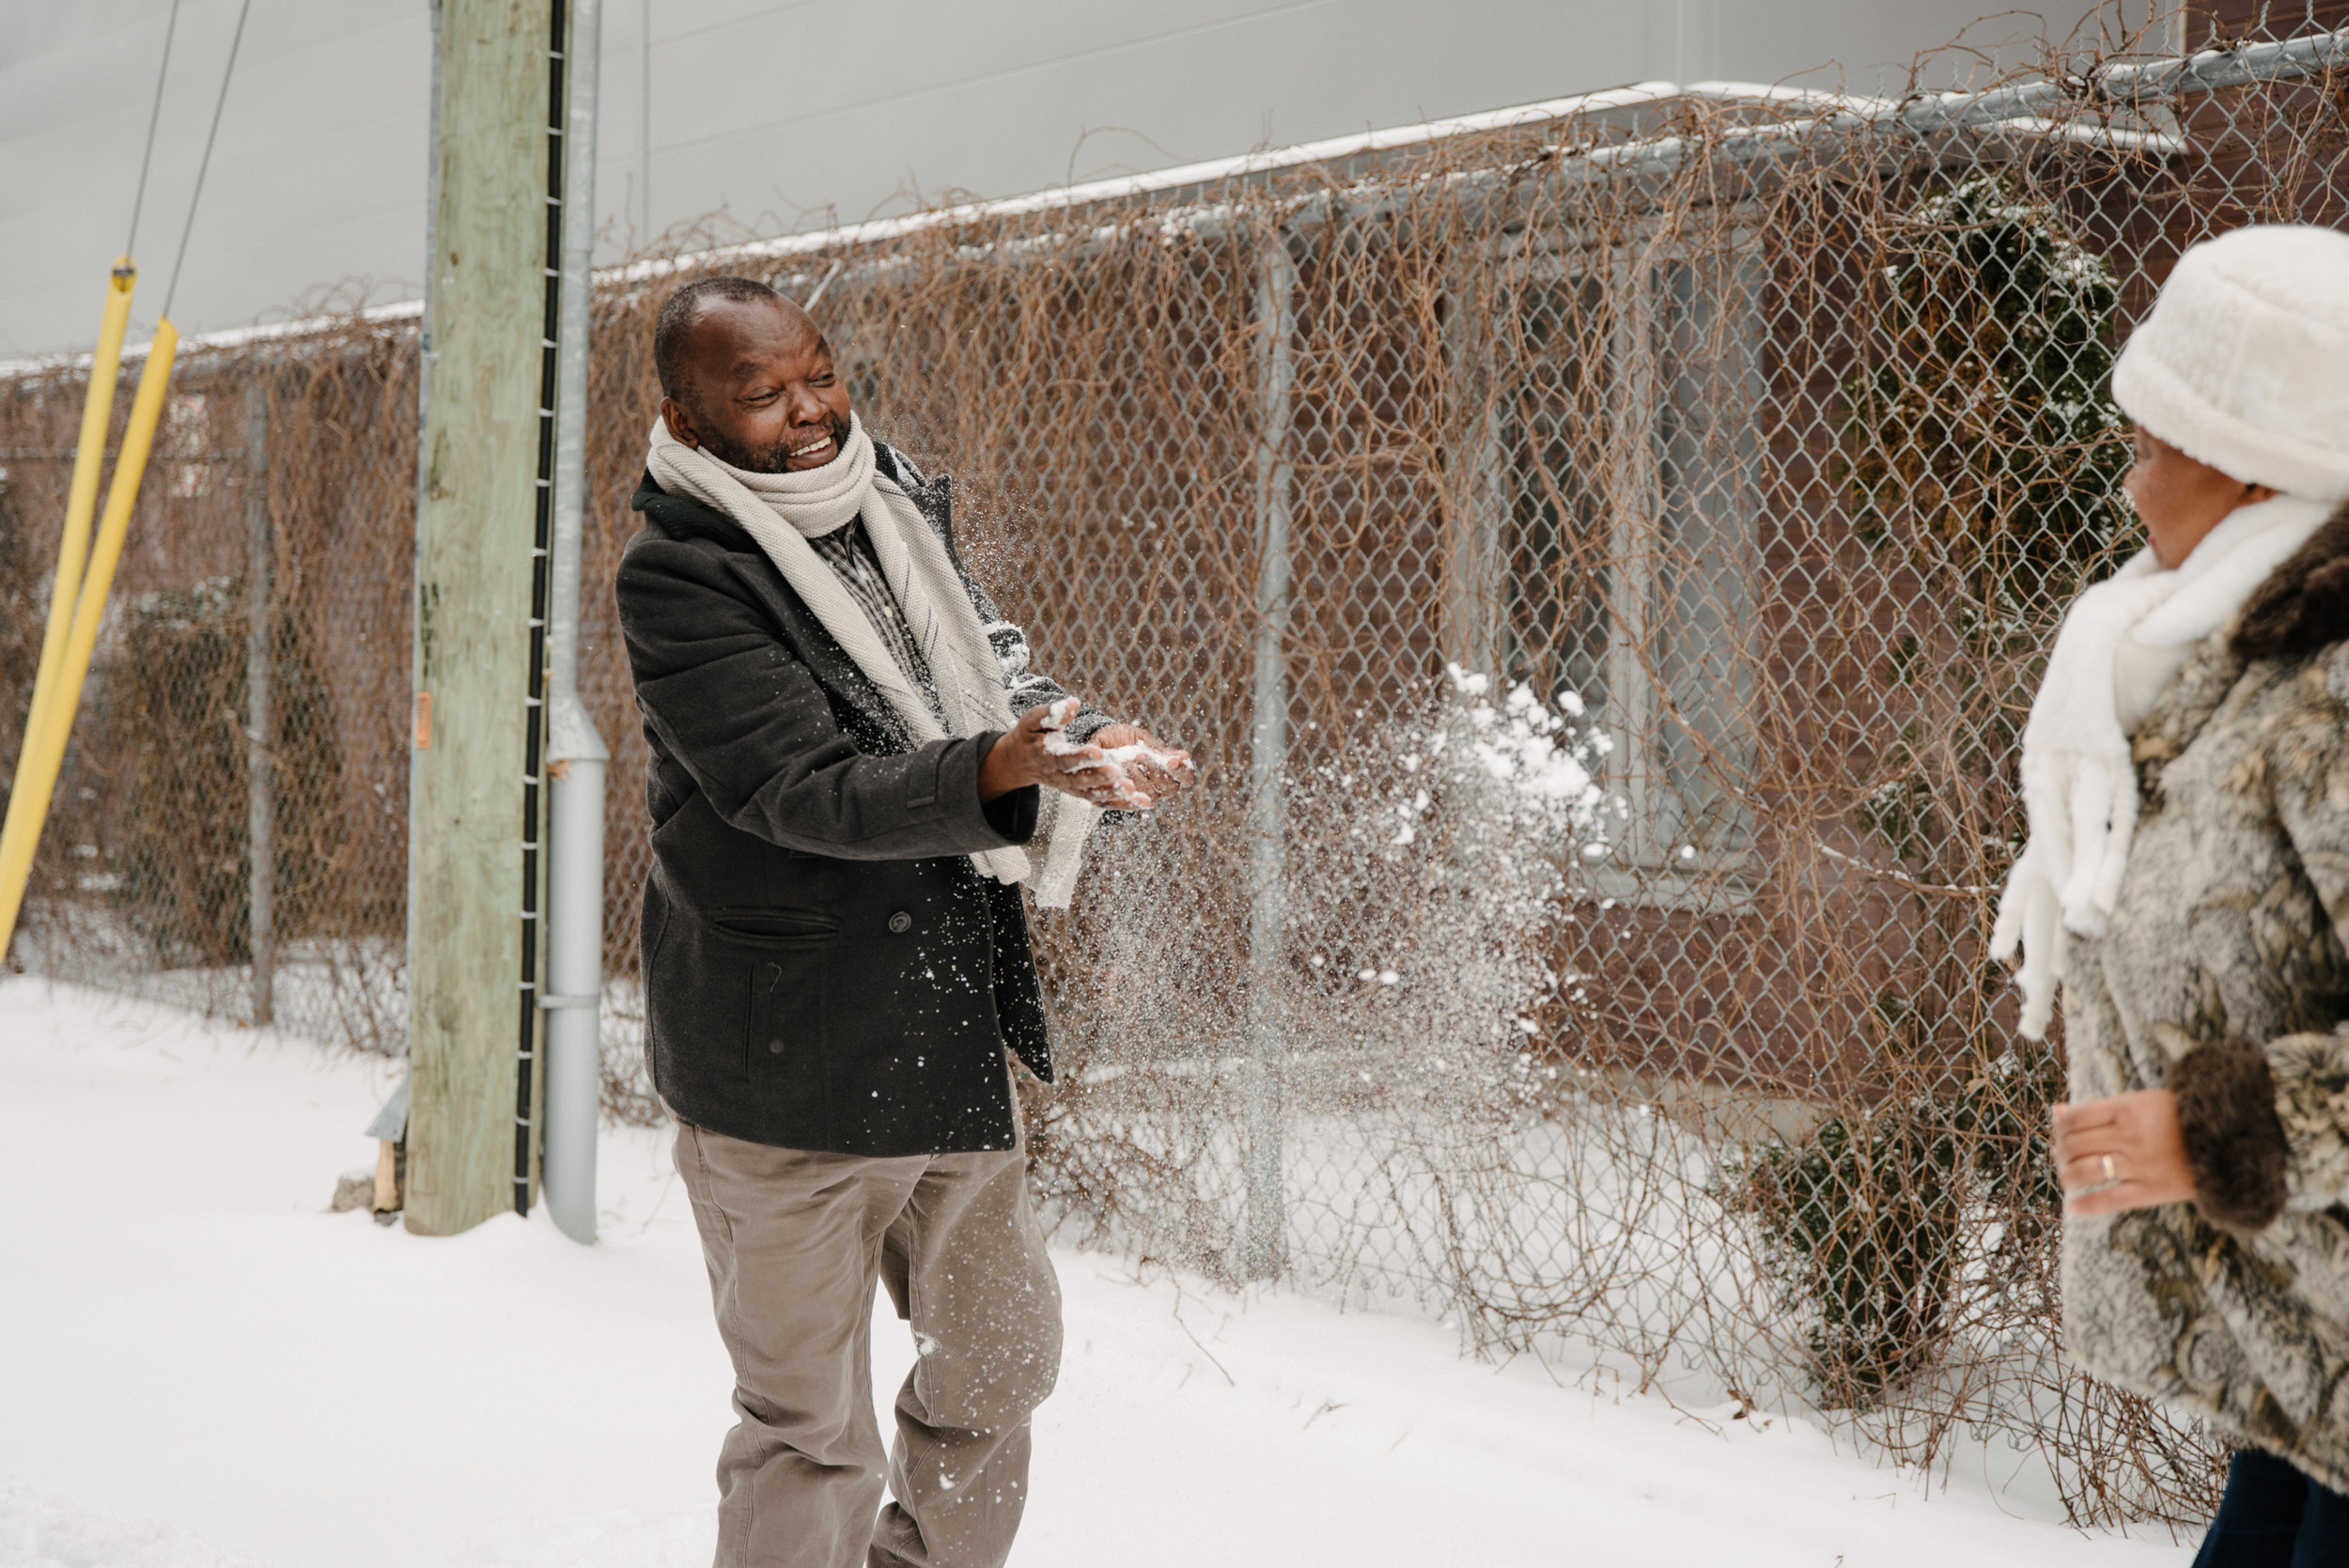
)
(482, 511)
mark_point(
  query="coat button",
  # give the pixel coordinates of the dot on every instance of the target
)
(775, 1046)
(901, 922)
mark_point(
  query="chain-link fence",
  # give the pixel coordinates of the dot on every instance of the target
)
(1601, 565)
(266, 575)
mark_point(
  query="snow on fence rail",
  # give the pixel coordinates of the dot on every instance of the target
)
(1599, 553)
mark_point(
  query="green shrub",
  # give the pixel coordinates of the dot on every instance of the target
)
(1987, 426)
(1868, 1219)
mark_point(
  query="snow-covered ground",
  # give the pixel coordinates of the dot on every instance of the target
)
(200, 1367)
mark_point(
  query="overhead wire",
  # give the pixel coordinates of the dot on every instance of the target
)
(235, 41)
(154, 116)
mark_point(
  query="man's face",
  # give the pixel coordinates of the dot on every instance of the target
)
(761, 392)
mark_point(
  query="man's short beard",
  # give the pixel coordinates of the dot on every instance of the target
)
(774, 458)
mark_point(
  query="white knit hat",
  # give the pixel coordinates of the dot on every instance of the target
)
(2243, 363)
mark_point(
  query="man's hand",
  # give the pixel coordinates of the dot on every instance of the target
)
(1026, 755)
(2122, 1153)
(1158, 771)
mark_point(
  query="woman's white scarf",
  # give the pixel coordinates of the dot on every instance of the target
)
(782, 511)
(2121, 642)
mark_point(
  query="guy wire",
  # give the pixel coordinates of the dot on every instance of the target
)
(235, 41)
(129, 246)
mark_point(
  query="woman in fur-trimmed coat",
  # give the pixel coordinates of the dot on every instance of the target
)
(2186, 773)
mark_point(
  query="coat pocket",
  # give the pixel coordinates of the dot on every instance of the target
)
(773, 929)
(788, 949)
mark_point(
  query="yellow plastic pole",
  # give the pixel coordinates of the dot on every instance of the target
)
(45, 747)
(82, 499)
(89, 457)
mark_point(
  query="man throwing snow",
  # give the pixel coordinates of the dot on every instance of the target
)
(852, 771)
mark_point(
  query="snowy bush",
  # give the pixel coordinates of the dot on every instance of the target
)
(1876, 1224)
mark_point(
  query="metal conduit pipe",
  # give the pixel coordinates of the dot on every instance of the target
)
(575, 752)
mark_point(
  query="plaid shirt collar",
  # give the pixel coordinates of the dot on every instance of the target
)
(849, 554)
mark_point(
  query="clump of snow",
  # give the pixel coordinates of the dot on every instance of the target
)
(1115, 759)
(1386, 956)
(1465, 830)
(1137, 752)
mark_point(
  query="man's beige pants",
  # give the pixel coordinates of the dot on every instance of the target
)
(795, 1241)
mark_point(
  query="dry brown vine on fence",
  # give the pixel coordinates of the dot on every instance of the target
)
(1759, 447)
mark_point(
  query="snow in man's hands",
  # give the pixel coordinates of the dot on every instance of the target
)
(1115, 758)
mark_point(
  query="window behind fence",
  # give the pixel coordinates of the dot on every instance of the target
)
(1630, 453)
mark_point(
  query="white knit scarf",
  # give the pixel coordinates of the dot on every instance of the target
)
(2120, 643)
(782, 511)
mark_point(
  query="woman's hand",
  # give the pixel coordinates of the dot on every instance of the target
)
(1025, 756)
(2122, 1153)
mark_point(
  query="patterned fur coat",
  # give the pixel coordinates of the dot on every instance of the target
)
(2224, 976)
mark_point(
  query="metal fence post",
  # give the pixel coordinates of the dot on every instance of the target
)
(260, 725)
(1276, 314)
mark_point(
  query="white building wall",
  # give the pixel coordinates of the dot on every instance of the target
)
(792, 114)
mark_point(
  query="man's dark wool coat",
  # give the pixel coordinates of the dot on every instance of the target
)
(824, 968)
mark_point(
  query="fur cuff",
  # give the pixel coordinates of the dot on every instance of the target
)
(2234, 1142)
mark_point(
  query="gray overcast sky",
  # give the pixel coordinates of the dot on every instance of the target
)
(789, 114)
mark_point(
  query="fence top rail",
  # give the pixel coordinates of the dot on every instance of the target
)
(225, 339)
(2114, 83)
(2027, 105)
